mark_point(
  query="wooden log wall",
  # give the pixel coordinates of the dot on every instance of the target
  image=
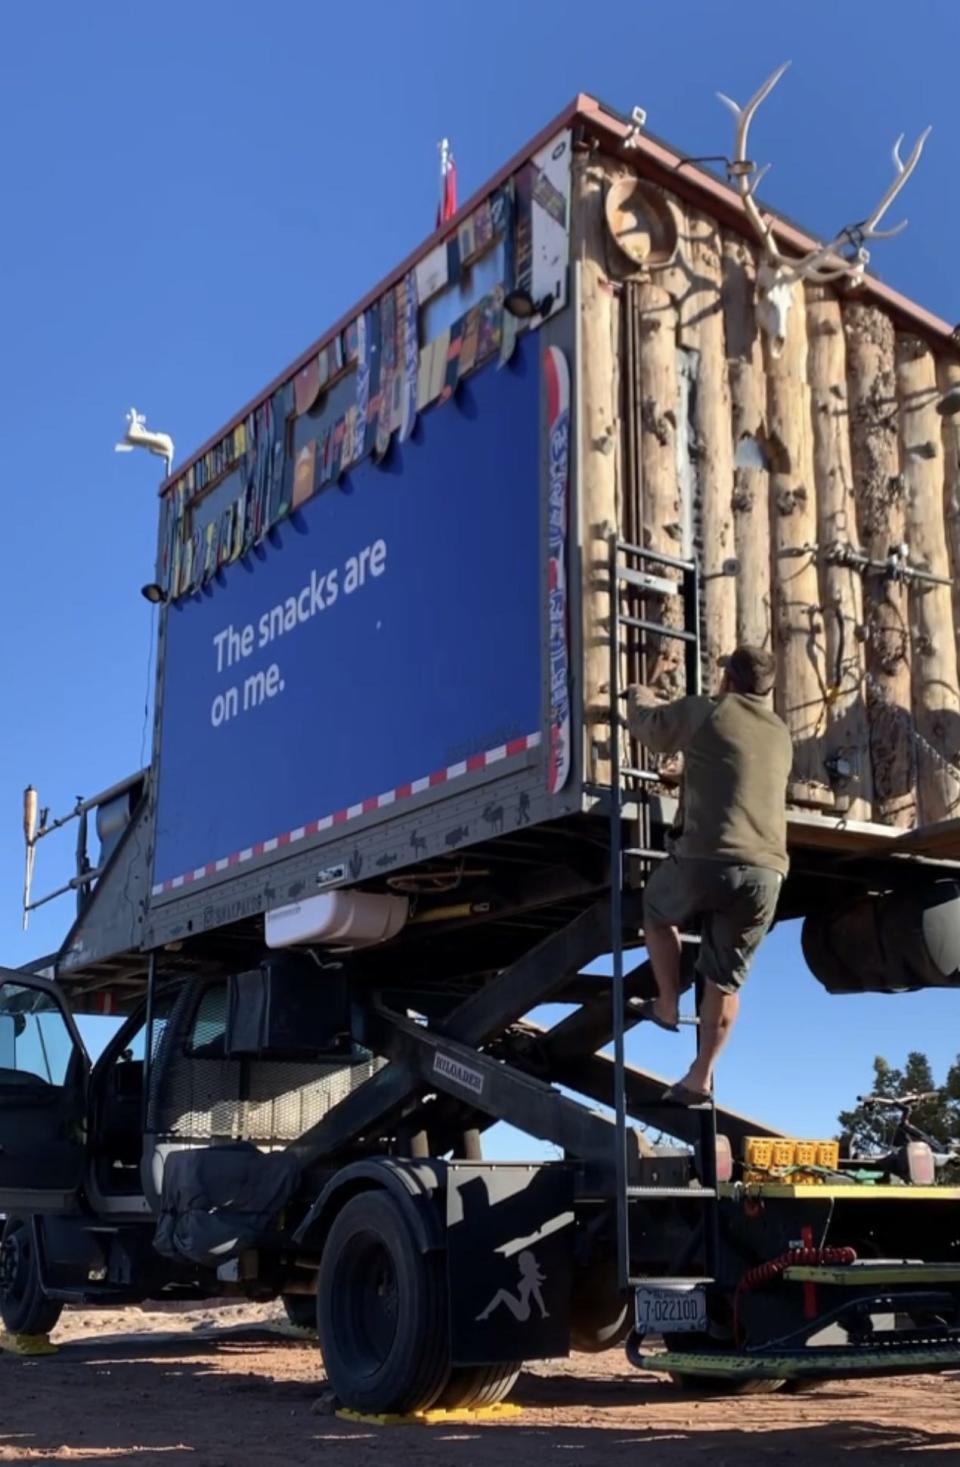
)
(846, 731)
(600, 509)
(781, 473)
(936, 702)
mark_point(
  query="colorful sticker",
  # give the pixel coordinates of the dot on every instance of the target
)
(388, 365)
(523, 230)
(306, 387)
(471, 339)
(557, 374)
(411, 358)
(467, 240)
(303, 475)
(397, 393)
(363, 390)
(491, 324)
(482, 227)
(550, 245)
(451, 364)
(431, 274)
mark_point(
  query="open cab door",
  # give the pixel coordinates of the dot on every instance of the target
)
(43, 1081)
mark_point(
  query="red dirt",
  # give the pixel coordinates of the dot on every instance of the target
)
(224, 1389)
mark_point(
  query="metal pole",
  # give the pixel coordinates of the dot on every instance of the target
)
(148, 1037)
(616, 928)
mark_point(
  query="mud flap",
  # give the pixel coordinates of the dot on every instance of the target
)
(510, 1232)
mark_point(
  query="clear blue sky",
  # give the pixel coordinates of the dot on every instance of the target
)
(194, 192)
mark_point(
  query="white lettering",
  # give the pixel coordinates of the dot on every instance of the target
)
(224, 707)
(318, 594)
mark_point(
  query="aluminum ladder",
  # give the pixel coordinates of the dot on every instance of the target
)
(635, 575)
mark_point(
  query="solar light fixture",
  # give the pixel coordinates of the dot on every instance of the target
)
(520, 303)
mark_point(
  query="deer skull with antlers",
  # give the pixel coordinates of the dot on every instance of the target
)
(844, 258)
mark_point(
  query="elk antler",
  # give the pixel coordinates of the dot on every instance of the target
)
(742, 171)
(778, 274)
(811, 266)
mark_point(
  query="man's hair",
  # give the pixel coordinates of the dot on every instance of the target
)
(751, 670)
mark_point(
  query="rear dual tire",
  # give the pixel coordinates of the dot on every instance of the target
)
(382, 1319)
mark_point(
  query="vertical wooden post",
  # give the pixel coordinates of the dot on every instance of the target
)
(948, 376)
(704, 313)
(798, 621)
(599, 388)
(878, 491)
(656, 317)
(936, 699)
(841, 588)
(751, 481)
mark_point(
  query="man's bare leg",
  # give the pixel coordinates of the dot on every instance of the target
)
(718, 1014)
(664, 949)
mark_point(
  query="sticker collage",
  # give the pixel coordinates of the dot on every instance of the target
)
(368, 384)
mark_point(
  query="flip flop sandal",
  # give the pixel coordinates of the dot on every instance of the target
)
(683, 1095)
(646, 1011)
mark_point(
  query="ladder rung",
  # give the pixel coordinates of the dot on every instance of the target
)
(655, 1194)
(690, 1020)
(645, 582)
(640, 624)
(656, 557)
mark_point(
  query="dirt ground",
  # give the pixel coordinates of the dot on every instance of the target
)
(224, 1388)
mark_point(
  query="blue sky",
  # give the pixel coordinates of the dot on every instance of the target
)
(194, 192)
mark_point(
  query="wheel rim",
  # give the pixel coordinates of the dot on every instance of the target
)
(15, 1262)
(366, 1303)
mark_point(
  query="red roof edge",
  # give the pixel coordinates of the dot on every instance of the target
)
(694, 183)
(579, 105)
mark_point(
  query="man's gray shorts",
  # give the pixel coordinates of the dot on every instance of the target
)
(735, 904)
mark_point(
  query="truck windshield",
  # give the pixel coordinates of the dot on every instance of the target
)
(34, 1038)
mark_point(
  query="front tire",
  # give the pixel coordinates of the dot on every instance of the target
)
(381, 1314)
(301, 1310)
(24, 1308)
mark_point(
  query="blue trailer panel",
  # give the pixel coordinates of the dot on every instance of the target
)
(383, 640)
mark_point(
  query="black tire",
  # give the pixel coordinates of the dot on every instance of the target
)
(702, 1385)
(471, 1386)
(301, 1311)
(600, 1316)
(381, 1311)
(24, 1308)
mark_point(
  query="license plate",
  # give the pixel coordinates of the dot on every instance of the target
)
(671, 1310)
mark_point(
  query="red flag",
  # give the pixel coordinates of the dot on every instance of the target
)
(448, 185)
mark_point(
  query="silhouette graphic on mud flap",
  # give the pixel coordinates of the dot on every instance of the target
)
(529, 1288)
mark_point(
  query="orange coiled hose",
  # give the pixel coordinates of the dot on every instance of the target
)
(774, 1268)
